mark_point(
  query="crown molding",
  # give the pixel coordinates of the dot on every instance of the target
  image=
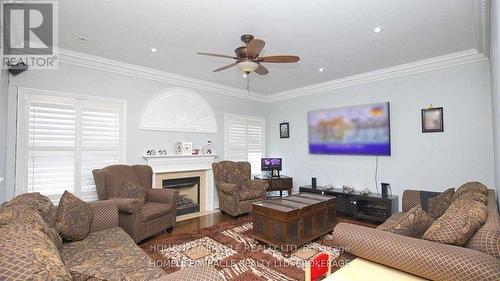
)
(481, 28)
(100, 63)
(94, 62)
(485, 23)
(453, 59)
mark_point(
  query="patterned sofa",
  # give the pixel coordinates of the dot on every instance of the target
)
(475, 258)
(32, 250)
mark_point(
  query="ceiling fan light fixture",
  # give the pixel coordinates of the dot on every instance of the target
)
(247, 66)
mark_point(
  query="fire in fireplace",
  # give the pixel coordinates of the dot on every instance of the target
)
(189, 194)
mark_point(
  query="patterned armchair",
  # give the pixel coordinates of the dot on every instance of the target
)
(236, 190)
(139, 220)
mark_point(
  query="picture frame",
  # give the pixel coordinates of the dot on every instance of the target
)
(432, 120)
(284, 130)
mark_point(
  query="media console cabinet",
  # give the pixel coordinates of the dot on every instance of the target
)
(371, 207)
(277, 184)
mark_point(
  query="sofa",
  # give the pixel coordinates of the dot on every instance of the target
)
(139, 219)
(470, 258)
(235, 187)
(31, 250)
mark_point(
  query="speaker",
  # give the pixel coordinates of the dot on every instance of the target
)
(313, 183)
(18, 68)
(385, 187)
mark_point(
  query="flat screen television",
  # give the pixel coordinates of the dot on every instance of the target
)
(267, 164)
(353, 130)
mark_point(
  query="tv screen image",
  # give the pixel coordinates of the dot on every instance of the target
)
(354, 130)
(266, 164)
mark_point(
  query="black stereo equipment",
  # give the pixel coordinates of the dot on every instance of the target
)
(385, 187)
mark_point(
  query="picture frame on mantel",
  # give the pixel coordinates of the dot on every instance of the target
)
(284, 130)
(432, 120)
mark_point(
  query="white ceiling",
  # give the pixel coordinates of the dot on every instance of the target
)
(337, 35)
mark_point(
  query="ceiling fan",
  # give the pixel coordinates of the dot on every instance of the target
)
(247, 57)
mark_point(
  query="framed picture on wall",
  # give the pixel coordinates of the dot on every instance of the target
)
(284, 130)
(432, 120)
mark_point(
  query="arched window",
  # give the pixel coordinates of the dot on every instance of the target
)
(178, 109)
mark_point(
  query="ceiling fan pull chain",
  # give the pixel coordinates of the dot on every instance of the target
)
(248, 83)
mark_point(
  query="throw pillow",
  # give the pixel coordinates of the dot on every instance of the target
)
(458, 224)
(40, 203)
(470, 187)
(24, 214)
(412, 223)
(130, 190)
(73, 218)
(439, 204)
(486, 240)
(471, 196)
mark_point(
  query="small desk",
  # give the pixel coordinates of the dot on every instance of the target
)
(277, 184)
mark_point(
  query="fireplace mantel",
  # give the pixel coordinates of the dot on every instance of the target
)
(180, 163)
(175, 166)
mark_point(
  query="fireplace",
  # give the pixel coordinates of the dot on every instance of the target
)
(189, 193)
(167, 167)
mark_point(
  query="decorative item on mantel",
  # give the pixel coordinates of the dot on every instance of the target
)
(162, 152)
(151, 152)
(208, 148)
(184, 148)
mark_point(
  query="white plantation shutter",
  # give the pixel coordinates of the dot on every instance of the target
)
(244, 139)
(100, 140)
(62, 138)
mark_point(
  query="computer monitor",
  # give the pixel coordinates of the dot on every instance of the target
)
(269, 164)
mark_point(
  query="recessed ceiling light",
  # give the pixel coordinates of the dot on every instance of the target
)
(321, 69)
(83, 38)
(153, 50)
(378, 29)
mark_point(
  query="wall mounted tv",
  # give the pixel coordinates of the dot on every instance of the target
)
(353, 130)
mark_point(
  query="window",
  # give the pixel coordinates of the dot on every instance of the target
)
(244, 139)
(61, 138)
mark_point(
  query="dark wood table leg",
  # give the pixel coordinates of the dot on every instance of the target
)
(281, 193)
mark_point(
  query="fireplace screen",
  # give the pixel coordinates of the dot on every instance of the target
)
(189, 194)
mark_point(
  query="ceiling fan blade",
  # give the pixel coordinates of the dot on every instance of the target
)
(216, 55)
(225, 67)
(255, 47)
(261, 70)
(279, 59)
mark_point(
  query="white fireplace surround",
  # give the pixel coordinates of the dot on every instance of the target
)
(187, 163)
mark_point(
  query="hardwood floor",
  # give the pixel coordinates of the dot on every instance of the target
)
(195, 224)
(371, 224)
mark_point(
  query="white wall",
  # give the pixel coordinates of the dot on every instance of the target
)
(430, 161)
(427, 161)
(85, 81)
(495, 84)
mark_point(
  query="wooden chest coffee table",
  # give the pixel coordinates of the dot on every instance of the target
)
(290, 222)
